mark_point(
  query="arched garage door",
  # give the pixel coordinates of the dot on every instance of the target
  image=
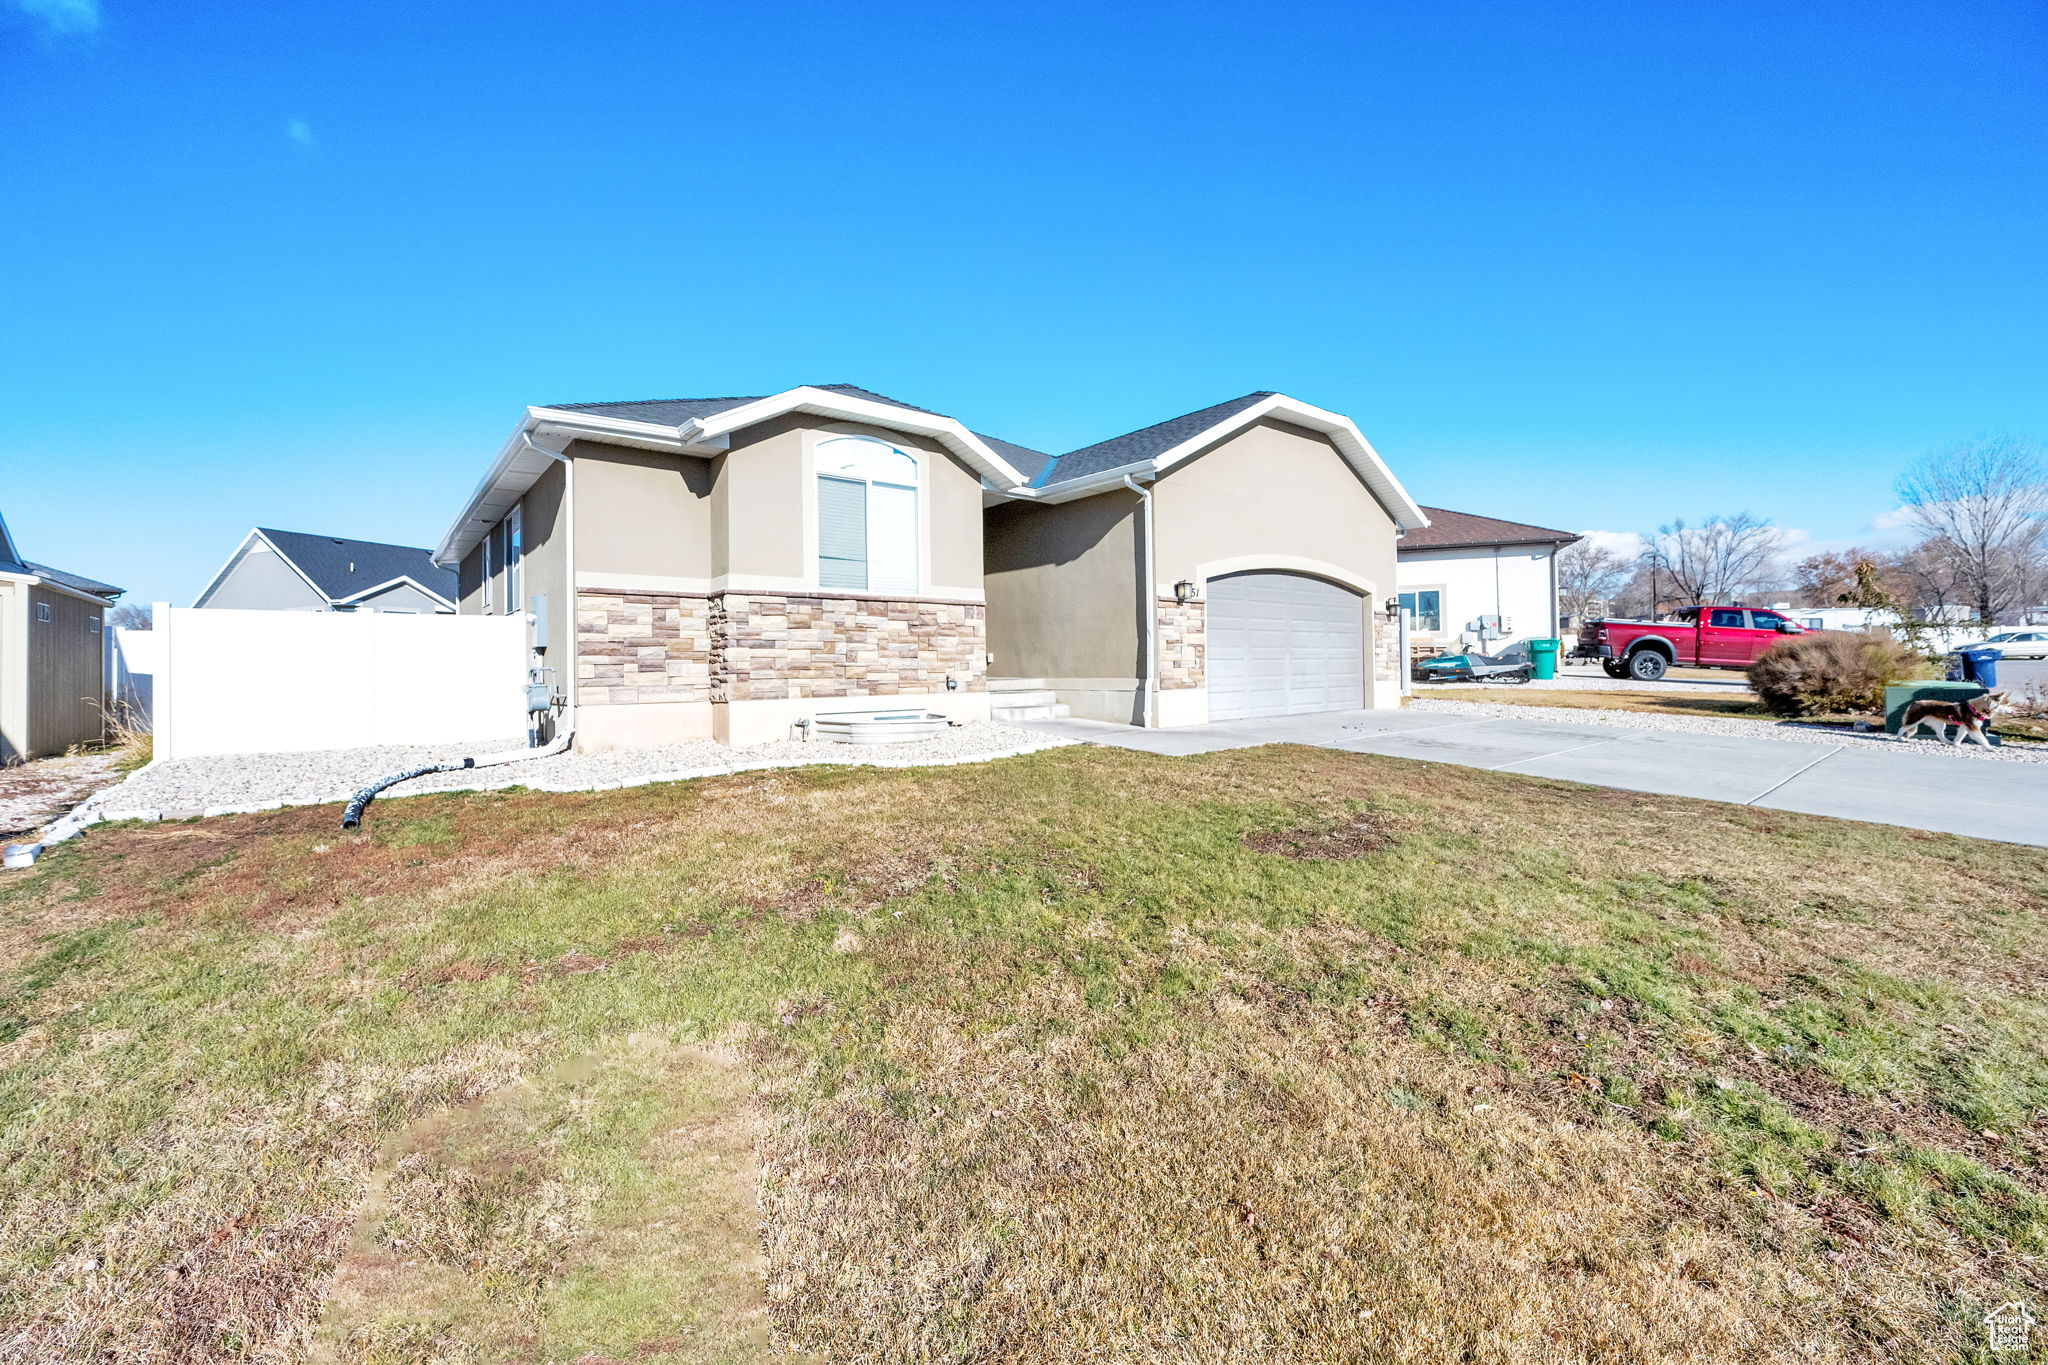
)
(1281, 644)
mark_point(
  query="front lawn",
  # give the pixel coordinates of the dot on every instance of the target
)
(1091, 1055)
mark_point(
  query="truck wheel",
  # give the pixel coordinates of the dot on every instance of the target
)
(1614, 668)
(1646, 665)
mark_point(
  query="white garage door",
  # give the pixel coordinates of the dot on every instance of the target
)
(1281, 644)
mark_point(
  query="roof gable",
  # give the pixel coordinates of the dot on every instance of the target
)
(1448, 530)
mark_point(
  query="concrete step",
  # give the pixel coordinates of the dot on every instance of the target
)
(1014, 714)
(1040, 697)
(1016, 684)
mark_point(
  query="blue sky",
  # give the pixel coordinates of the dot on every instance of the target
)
(1586, 265)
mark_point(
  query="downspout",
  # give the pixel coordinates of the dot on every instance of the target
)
(565, 625)
(1148, 593)
(1556, 619)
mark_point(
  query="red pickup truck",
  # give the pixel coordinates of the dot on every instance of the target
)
(1696, 637)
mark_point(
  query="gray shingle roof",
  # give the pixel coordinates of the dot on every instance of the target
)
(341, 568)
(1038, 468)
(1142, 444)
(76, 581)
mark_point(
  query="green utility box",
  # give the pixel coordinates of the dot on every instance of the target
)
(1543, 654)
(1898, 696)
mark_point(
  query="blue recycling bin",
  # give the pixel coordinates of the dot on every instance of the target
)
(1980, 666)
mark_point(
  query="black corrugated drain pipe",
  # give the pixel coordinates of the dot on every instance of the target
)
(352, 814)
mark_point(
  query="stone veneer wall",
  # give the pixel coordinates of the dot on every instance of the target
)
(746, 646)
(642, 647)
(1183, 643)
(773, 646)
(1386, 646)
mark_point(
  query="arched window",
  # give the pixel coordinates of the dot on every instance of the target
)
(867, 515)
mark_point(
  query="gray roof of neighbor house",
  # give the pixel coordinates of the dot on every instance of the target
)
(75, 581)
(1448, 530)
(344, 568)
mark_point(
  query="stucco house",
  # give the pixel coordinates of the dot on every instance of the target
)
(1468, 580)
(53, 656)
(298, 571)
(723, 567)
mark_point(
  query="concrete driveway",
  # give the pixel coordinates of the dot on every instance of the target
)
(2007, 801)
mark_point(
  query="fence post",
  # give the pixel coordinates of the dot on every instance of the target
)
(162, 703)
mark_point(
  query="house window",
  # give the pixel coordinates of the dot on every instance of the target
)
(92, 624)
(514, 536)
(867, 516)
(490, 586)
(42, 611)
(1425, 608)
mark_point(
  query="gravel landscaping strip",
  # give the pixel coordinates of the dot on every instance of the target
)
(1793, 732)
(244, 782)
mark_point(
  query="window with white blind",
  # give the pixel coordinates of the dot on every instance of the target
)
(867, 516)
(515, 555)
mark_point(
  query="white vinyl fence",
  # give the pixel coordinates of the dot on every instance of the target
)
(243, 682)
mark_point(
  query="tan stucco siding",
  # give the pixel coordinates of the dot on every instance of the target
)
(757, 503)
(764, 499)
(640, 513)
(1062, 588)
(545, 571)
(469, 582)
(1272, 489)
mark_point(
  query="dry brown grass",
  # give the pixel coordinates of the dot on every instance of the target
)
(1268, 1184)
(1089, 1056)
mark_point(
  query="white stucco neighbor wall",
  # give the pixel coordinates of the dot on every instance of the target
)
(1513, 581)
(239, 682)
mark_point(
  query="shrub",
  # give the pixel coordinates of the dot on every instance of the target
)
(1832, 671)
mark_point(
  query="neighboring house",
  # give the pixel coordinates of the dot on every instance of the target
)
(295, 571)
(53, 656)
(1479, 581)
(724, 567)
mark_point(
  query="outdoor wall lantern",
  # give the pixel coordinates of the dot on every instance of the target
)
(1393, 608)
(1184, 591)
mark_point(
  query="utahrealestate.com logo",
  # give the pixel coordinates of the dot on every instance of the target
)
(2007, 1326)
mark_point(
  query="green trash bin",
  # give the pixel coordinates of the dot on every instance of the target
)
(1543, 653)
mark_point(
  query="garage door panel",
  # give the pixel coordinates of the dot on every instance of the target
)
(1283, 644)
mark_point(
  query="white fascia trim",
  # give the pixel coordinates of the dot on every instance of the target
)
(1143, 470)
(844, 408)
(394, 582)
(1349, 440)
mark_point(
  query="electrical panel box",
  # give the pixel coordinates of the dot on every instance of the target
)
(538, 604)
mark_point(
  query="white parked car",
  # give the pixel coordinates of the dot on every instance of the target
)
(2017, 644)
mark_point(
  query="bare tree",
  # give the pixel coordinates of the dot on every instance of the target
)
(1987, 501)
(1589, 576)
(1714, 561)
(130, 616)
(1844, 577)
